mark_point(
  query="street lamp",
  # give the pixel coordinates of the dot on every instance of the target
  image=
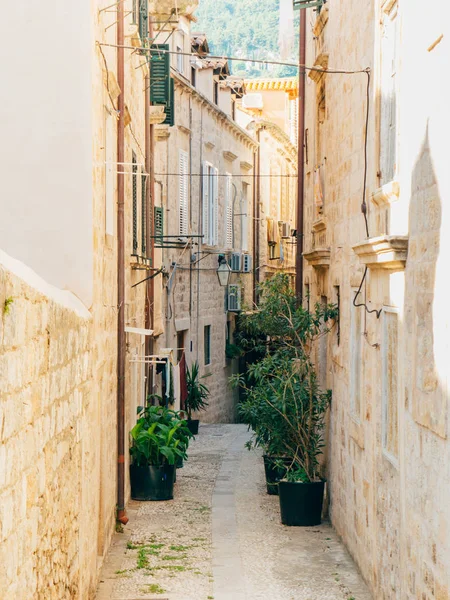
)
(223, 271)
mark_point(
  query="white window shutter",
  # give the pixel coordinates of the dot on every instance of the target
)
(183, 185)
(215, 208)
(228, 212)
(205, 204)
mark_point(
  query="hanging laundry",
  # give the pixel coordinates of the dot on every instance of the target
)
(176, 387)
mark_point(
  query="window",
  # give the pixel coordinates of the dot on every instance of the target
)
(183, 193)
(388, 86)
(216, 92)
(389, 382)
(181, 344)
(158, 223)
(207, 344)
(144, 214)
(229, 212)
(210, 204)
(143, 20)
(134, 199)
(356, 360)
(244, 217)
(193, 76)
(337, 293)
(110, 145)
(180, 60)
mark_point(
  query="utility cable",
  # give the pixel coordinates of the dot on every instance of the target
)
(364, 203)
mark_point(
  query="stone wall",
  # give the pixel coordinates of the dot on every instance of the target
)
(49, 440)
(388, 443)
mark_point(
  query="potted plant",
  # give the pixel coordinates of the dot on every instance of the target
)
(283, 402)
(197, 393)
(159, 438)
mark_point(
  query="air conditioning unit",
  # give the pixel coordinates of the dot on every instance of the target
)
(247, 263)
(235, 262)
(285, 229)
(234, 298)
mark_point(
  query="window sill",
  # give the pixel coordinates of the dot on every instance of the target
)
(386, 194)
(140, 263)
(319, 258)
(387, 252)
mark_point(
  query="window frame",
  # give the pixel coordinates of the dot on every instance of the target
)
(388, 145)
(183, 193)
(387, 452)
(229, 233)
(207, 345)
(210, 204)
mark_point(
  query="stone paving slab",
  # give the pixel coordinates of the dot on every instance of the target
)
(221, 538)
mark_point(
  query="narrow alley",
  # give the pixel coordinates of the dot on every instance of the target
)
(221, 538)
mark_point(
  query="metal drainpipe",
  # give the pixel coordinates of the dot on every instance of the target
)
(301, 161)
(121, 516)
(257, 216)
(150, 201)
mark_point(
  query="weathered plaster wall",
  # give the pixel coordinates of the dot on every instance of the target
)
(388, 505)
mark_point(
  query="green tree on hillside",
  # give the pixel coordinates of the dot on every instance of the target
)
(245, 28)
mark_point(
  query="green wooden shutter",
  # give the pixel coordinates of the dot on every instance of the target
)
(158, 224)
(160, 74)
(143, 20)
(170, 106)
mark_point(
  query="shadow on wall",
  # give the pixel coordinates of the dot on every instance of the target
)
(423, 294)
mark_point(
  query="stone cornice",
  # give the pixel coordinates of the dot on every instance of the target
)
(318, 258)
(386, 194)
(226, 120)
(229, 155)
(321, 21)
(384, 252)
(321, 62)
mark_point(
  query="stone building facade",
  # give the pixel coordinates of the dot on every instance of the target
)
(204, 188)
(269, 111)
(386, 360)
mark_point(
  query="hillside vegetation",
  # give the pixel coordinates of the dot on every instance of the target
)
(244, 28)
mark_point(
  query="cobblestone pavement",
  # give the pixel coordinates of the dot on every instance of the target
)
(221, 538)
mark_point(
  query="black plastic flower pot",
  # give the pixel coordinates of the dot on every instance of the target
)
(152, 483)
(274, 472)
(301, 503)
(193, 426)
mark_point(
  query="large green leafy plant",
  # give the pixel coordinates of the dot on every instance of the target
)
(197, 392)
(283, 402)
(159, 437)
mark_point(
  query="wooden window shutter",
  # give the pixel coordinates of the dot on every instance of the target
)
(170, 106)
(183, 189)
(160, 74)
(144, 213)
(143, 20)
(158, 223)
(215, 207)
(134, 192)
(228, 212)
(205, 204)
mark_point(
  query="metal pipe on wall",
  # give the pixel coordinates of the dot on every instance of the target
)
(301, 161)
(121, 516)
(150, 202)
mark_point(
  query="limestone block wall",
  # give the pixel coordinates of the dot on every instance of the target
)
(48, 443)
(388, 438)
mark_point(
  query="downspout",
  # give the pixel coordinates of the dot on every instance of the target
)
(150, 202)
(301, 161)
(257, 212)
(121, 516)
